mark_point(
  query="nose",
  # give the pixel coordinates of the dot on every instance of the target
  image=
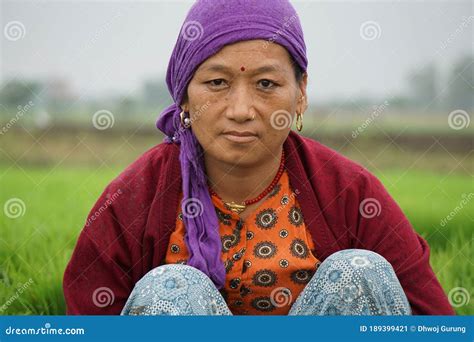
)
(240, 104)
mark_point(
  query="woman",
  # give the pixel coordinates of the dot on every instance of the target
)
(235, 213)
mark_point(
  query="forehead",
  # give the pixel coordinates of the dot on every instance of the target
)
(254, 53)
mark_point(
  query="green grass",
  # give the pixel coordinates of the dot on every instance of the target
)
(428, 198)
(38, 245)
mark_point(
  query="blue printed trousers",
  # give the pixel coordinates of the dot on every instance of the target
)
(348, 282)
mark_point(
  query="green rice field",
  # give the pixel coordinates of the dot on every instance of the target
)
(59, 189)
(38, 244)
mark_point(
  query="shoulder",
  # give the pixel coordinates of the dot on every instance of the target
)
(339, 182)
(130, 195)
(147, 169)
(325, 164)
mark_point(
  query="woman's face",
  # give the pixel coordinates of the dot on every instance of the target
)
(244, 81)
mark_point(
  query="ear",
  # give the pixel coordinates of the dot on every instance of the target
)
(184, 103)
(302, 105)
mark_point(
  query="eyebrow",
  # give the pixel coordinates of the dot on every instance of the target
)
(228, 70)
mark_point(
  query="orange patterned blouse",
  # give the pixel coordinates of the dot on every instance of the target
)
(268, 257)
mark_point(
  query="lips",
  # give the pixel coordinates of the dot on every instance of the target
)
(241, 133)
(240, 136)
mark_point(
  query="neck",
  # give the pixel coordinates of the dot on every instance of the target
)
(239, 183)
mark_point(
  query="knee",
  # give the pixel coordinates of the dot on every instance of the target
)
(175, 289)
(358, 258)
(358, 276)
(172, 276)
(356, 267)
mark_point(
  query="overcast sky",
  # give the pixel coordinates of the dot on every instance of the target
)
(102, 47)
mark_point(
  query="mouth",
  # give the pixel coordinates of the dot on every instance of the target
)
(240, 136)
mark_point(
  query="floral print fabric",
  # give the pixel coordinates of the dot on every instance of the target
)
(269, 257)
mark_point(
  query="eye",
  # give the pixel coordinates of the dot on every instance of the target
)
(219, 82)
(267, 84)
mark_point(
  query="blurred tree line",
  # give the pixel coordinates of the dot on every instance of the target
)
(456, 91)
(427, 89)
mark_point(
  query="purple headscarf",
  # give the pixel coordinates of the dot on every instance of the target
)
(208, 27)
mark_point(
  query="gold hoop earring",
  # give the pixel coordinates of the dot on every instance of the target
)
(186, 122)
(299, 122)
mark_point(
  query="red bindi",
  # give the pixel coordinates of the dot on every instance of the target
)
(242, 68)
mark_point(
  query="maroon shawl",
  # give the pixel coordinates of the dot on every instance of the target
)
(128, 229)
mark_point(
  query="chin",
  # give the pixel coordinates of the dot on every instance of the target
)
(229, 152)
(238, 156)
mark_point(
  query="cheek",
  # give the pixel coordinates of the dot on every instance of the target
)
(204, 126)
(280, 108)
(275, 137)
(279, 115)
(201, 112)
(278, 121)
(201, 129)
